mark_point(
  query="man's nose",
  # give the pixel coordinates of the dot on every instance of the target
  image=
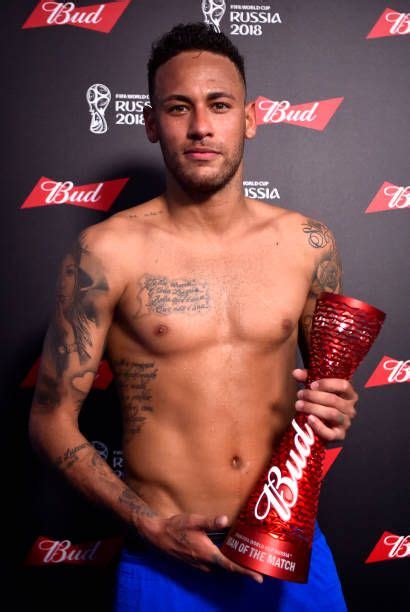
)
(200, 125)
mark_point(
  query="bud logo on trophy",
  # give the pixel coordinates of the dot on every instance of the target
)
(98, 98)
(213, 11)
(273, 532)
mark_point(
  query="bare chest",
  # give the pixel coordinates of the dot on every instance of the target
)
(182, 302)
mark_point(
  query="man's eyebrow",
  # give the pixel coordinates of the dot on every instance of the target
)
(211, 96)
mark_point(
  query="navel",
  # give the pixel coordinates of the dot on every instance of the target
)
(161, 329)
(236, 462)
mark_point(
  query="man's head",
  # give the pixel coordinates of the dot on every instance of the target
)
(186, 38)
(199, 113)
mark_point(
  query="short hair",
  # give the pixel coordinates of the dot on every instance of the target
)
(187, 37)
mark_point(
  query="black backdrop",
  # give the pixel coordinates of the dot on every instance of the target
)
(313, 51)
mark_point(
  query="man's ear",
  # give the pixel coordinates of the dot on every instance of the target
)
(150, 124)
(250, 120)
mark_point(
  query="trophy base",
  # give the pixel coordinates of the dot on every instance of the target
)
(267, 554)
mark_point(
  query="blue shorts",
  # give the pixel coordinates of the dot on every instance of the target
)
(152, 581)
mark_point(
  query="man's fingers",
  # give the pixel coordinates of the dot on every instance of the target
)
(219, 559)
(337, 385)
(327, 433)
(330, 415)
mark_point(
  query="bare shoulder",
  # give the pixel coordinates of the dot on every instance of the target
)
(111, 239)
(299, 228)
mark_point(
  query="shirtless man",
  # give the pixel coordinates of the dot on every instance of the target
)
(199, 297)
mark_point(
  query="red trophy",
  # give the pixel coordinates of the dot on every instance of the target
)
(273, 532)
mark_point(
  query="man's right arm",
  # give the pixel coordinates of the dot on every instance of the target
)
(89, 287)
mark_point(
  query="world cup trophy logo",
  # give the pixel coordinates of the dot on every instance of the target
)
(98, 98)
(213, 11)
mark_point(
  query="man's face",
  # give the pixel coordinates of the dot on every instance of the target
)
(200, 119)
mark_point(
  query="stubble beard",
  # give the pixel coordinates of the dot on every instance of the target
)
(196, 185)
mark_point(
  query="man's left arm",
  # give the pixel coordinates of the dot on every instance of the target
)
(330, 402)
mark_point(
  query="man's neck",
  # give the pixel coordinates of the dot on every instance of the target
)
(212, 215)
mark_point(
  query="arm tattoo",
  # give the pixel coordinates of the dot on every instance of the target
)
(81, 275)
(81, 279)
(164, 296)
(137, 505)
(327, 275)
(70, 456)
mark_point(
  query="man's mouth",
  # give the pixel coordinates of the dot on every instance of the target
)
(201, 153)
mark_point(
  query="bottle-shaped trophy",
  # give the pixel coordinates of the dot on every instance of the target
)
(273, 532)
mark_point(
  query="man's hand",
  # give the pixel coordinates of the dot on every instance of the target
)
(330, 403)
(183, 536)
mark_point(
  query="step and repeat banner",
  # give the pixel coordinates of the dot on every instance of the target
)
(330, 80)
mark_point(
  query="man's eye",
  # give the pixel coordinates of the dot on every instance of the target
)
(220, 106)
(177, 108)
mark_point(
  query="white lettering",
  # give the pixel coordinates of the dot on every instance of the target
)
(278, 111)
(400, 370)
(399, 196)
(400, 21)
(281, 492)
(60, 551)
(400, 545)
(61, 192)
(63, 12)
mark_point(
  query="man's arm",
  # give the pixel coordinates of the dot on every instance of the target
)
(330, 402)
(88, 288)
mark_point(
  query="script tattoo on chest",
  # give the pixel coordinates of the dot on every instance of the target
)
(164, 296)
(134, 381)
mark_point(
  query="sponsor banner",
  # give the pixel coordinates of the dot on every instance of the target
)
(244, 19)
(114, 458)
(98, 196)
(390, 371)
(260, 190)
(390, 546)
(390, 23)
(53, 552)
(98, 17)
(390, 197)
(128, 107)
(313, 115)
(102, 379)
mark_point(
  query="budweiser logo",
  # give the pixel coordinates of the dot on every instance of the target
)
(48, 552)
(390, 371)
(99, 196)
(281, 492)
(390, 546)
(390, 23)
(390, 197)
(98, 17)
(313, 115)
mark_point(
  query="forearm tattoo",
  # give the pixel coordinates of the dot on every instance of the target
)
(70, 456)
(137, 505)
(164, 296)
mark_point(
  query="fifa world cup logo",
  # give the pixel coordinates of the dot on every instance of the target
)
(213, 11)
(98, 98)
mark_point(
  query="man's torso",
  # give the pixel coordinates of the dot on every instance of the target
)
(202, 346)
